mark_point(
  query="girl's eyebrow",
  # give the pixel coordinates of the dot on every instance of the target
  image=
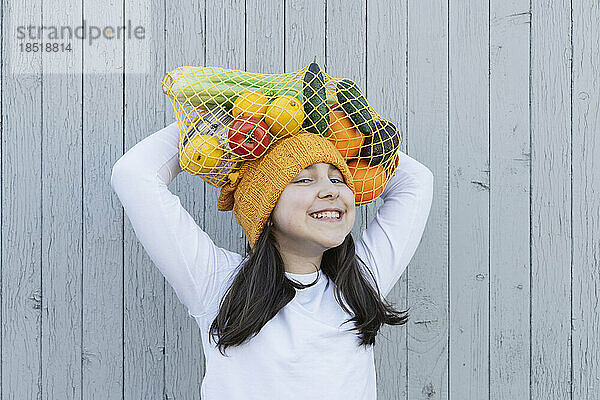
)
(331, 167)
(312, 167)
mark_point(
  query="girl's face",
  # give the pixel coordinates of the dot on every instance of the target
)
(318, 187)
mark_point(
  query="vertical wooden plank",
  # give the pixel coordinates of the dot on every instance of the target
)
(386, 68)
(184, 360)
(346, 40)
(428, 283)
(61, 209)
(304, 33)
(586, 203)
(144, 284)
(225, 47)
(509, 199)
(469, 203)
(551, 200)
(21, 207)
(345, 51)
(102, 108)
(1, 175)
(264, 37)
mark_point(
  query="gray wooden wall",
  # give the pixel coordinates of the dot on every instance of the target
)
(500, 99)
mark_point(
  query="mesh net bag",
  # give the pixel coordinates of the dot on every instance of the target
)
(228, 116)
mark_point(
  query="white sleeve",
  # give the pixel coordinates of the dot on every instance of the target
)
(187, 257)
(391, 239)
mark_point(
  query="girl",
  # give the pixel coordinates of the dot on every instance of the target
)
(296, 318)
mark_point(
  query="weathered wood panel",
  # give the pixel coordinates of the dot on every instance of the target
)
(387, 89)
(428, 277)
(22, 310)
(265, 32)
(585, 186)
(500, 104)
(102, 141)
(469, 199)
(509, 200)
(551, 200)
(304, 33)
(61, 211)
(144, 285)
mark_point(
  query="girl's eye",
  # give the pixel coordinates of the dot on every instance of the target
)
(306, 179)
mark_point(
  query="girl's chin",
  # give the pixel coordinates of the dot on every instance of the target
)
(331, 240)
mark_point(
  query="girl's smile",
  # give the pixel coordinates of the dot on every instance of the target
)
(327, 215)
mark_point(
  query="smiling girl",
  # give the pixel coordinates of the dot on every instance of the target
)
(297, 316)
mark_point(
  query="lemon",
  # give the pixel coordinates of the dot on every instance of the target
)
(251, 104)
(284, 116)
(201, 154)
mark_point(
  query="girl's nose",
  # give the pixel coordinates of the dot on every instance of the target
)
(329, 189)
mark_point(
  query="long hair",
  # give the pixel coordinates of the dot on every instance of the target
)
(260, 289)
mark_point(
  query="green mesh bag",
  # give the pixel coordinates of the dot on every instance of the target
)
(226, 117)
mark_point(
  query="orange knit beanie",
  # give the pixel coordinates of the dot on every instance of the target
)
(254, 190)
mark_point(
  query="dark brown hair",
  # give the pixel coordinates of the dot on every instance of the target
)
(260, 289)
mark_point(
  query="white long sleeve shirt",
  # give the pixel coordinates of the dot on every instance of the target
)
(302, 352)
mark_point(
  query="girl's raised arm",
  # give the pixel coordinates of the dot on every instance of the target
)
(188, 258)
(391, 239)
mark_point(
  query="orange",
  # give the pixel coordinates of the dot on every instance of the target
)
(342, 133)
(369, 181)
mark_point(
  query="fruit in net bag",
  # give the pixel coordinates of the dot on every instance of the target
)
(306, 100)
(284, 115)
(369, 181)
(251, 103)
(249, 137)
(355, 105)
(315, 101)
(345, 137)
(201, 154)
(382, 144)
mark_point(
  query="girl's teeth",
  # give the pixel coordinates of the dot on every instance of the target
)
(327, 215)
